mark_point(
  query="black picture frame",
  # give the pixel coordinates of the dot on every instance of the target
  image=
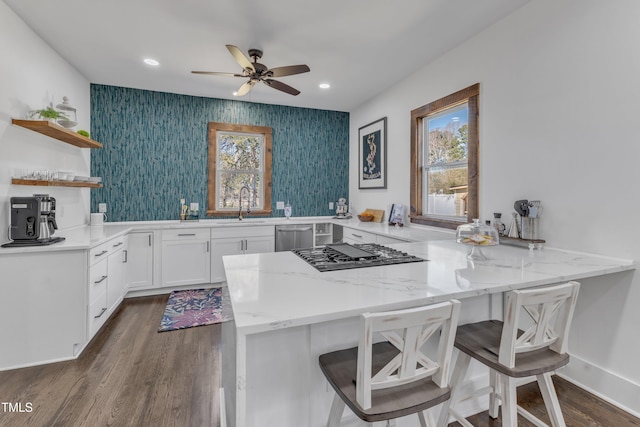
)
(372, 155)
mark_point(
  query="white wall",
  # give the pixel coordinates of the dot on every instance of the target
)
(31, 76)
(558, 123)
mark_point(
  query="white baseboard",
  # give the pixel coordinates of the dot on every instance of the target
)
(608, 386)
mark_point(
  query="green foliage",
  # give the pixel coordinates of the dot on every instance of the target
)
(447, 147)
(49, 113)
(240, 158)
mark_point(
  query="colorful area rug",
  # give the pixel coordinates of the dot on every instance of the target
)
(189, 308)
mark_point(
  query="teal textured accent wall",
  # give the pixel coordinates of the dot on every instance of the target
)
(155, 152)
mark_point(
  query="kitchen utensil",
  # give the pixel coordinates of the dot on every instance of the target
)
(534, 208)
(513, 227)
(522, 207)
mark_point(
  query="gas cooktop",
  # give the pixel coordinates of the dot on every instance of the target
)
(343, 256)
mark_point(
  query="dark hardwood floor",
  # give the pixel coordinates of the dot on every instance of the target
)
(131, 375)
(579, 408)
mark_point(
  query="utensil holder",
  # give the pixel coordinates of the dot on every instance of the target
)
(529, 229)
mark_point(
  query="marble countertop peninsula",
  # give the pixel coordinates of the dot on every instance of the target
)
(279, 290)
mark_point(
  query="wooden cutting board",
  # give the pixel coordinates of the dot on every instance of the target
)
(378, 214)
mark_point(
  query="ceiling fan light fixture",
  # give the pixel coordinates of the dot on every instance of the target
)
(151, 61)
(257, 72)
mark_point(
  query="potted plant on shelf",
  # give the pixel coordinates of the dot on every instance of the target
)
(48, 113)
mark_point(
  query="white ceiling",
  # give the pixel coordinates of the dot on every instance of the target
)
(360, 47)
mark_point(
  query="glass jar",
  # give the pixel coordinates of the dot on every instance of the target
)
(476, 235)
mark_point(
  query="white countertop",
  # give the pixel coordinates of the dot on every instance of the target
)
(77, 238)
(86, 237)
(279, 290)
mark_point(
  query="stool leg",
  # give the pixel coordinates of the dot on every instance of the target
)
(335, 414)
(509, 402)
(426, 421)
(459, 372)
(550, 399)
(495, 394)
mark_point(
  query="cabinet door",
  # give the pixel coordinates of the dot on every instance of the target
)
(220, 248)
(256, 245)
(140, 261)
(117, 281)
(185, 262)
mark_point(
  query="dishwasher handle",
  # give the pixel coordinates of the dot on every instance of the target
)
(289, 230)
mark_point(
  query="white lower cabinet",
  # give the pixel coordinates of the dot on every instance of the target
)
(117, 284)
(186, 257)
(107, 281)
(238, 241)
(140, 263)
(351, 235)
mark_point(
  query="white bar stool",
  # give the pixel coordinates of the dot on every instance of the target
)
(393, 378)
(512, 353)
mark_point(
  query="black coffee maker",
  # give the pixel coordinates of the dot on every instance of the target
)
(33, 221)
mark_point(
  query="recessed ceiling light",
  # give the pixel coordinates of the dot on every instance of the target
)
(150, 61)
(324, 85)
(235, 93)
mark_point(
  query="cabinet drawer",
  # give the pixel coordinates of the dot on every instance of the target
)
(99, 253)
(97, 280)
(186, 234)
(242, 232)
(98, 314)
(358, 236)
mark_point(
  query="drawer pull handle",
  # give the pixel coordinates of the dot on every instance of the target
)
(126, 256)
(118, 244)
(101, 253)
(102, 279)
(101, 313)
(186, 234)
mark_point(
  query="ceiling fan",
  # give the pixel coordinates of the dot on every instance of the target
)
(257, 72)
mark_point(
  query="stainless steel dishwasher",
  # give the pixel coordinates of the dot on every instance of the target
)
(294, 236)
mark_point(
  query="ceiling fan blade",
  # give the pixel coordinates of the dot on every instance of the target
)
(240, 57)
(281, 86)
(215, 73)
(245, 88)
(289, 70)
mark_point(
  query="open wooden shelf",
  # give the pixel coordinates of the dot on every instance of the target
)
(45, 183)
(55, 131)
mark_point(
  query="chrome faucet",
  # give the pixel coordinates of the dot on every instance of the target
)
(244, 187)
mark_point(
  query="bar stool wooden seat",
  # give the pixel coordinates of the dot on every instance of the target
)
(512, 353)
(394, 378)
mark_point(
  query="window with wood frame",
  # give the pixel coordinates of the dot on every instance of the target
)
(239, 169)
(444, 160)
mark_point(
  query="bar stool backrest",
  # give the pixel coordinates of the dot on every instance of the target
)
(407, 330)
(551, 310)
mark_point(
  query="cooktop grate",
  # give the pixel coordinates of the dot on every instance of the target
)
(344, 256)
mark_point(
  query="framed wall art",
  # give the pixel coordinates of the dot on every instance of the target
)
(372, 155)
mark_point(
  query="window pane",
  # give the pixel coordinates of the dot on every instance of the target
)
(446, 167)
(230, 184)
(448, 135)
(447, 191)
(240, 152)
